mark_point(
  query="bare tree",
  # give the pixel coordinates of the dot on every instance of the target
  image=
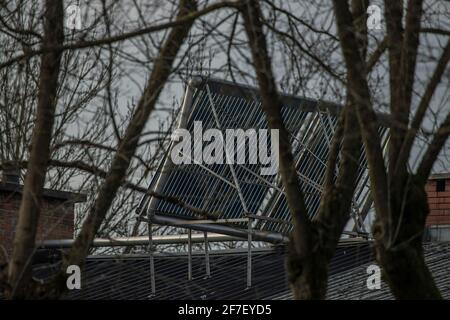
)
(400, 199)
(110, 145)
(399, 194)
(313, 242)
(20, 282)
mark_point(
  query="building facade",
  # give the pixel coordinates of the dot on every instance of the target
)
(438, 221)
(56, 218)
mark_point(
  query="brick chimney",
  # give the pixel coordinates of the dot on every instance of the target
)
(11, 175)
(438, 221)
(57, 211)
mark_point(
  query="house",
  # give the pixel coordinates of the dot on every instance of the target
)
(57, 213)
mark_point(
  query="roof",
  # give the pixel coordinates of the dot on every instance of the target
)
(216, 188)
(128, 277)
(48, 193)
(438, 176)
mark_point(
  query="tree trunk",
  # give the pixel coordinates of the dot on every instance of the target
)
(400, 253)
(307, 275)
(406, 273)
(19, 272)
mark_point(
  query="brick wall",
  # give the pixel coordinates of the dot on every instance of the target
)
(56, 220)
(439, 203)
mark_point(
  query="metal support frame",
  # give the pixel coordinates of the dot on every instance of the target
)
(251, 234)
(249, 254)
(309, 133)
(207, 266)
(239, 191)
(138, 241)
(186, 223)
(325, 133)
(152, 258)
(148, 202)
(209, 170)
(222, 229)
(189, 254)
(148, 206)
(233, 173)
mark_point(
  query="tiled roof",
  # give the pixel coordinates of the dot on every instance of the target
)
(128, 277)
(48, 193)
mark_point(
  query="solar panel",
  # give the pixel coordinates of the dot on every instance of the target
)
(233, 191)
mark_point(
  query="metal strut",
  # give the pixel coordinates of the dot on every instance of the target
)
(189, 254)
(249, 254)
(207, 266)
(238, 189)
(151, 249)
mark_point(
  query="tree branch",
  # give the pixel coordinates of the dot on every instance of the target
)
(439, 139)
(376, 55)
(113, 180)
(187, 19)
(358, 85)
(404, 89)
(272, 105)
(394, 16)
(424, 104)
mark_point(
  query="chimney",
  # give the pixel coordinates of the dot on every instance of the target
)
(11, 175)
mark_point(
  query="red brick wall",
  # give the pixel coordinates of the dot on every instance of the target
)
(439, 203)
(56, 220)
